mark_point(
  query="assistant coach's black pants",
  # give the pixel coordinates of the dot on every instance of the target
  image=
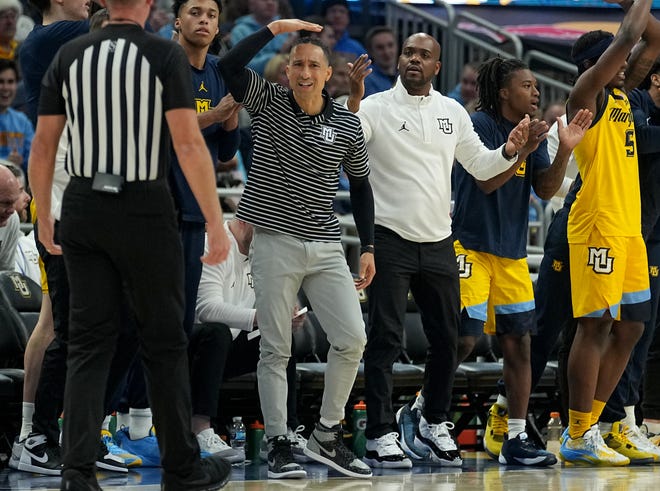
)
(430, 272)
(113, 243)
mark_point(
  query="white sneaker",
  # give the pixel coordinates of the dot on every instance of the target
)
(436, 437)
(210, 443)
(16, 452)
(298, 444)
(386, 452)
(641, 441)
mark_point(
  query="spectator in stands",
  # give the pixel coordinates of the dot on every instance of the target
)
(553, 111)
(383, 50)
(465, 91)
(10, 11)
(337, 14)
(225, 307)
(262, 12)
(413, 243)
(496, 289)
(339, 85)
(16, 130)
(608, 261)
(10, 232)
(275, 70)
(288, 200)
(217, 115)
(326, 36)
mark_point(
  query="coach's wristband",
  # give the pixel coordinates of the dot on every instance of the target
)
(368, 248)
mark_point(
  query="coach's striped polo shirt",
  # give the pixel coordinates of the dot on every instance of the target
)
(296, 162)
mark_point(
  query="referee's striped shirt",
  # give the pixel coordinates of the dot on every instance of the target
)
(114, 86)
(296, 162)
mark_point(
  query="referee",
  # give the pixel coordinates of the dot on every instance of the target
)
(121, 93)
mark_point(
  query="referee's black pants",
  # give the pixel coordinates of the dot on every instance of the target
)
(113, 243)
(430, 272)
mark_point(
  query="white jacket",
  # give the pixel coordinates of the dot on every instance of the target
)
(412, 143)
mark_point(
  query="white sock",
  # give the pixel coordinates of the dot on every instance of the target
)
(653, 427)
(123, 420)
(327, 423)
(26, 420)
(516, 427)
(141, 423)
(630, 419)
(502, 402)
(419, 402)
(106, 423)
(604, 427)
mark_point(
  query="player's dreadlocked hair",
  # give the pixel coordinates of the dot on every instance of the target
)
(494, 74)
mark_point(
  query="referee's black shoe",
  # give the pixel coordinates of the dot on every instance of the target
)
(212, 474)
(73, 480)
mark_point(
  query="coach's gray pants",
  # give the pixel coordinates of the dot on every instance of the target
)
(281, 265)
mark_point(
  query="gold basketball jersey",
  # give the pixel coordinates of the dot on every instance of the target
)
(607, 161)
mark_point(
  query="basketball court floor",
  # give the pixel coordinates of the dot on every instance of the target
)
(479, 472)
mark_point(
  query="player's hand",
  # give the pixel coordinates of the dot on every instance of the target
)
(518, 136)
(46, 226)
(538, 131)
(367, 271)
(218, 243)
(572, 134)
(293, 25)
(226, 109)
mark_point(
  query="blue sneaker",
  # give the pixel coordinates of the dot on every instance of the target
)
(407, 420)
(145, 448)
(590, 449)
(522, 451)
(129, 459)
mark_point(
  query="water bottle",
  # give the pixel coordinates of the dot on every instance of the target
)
(554, 431)
(359, 425)
(237, 433)
(255, 437)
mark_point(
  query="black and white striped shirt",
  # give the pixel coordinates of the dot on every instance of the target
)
(115, 86)
(296, 162)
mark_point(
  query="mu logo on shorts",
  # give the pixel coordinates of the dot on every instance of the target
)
(464, 267)
(654, 271)
(600, 261)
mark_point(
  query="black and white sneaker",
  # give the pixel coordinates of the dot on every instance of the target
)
(16, 452)
(386, 452)
(281, 463)
(40, 457)
(438, 439)
(108, 461)
(326, 445)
